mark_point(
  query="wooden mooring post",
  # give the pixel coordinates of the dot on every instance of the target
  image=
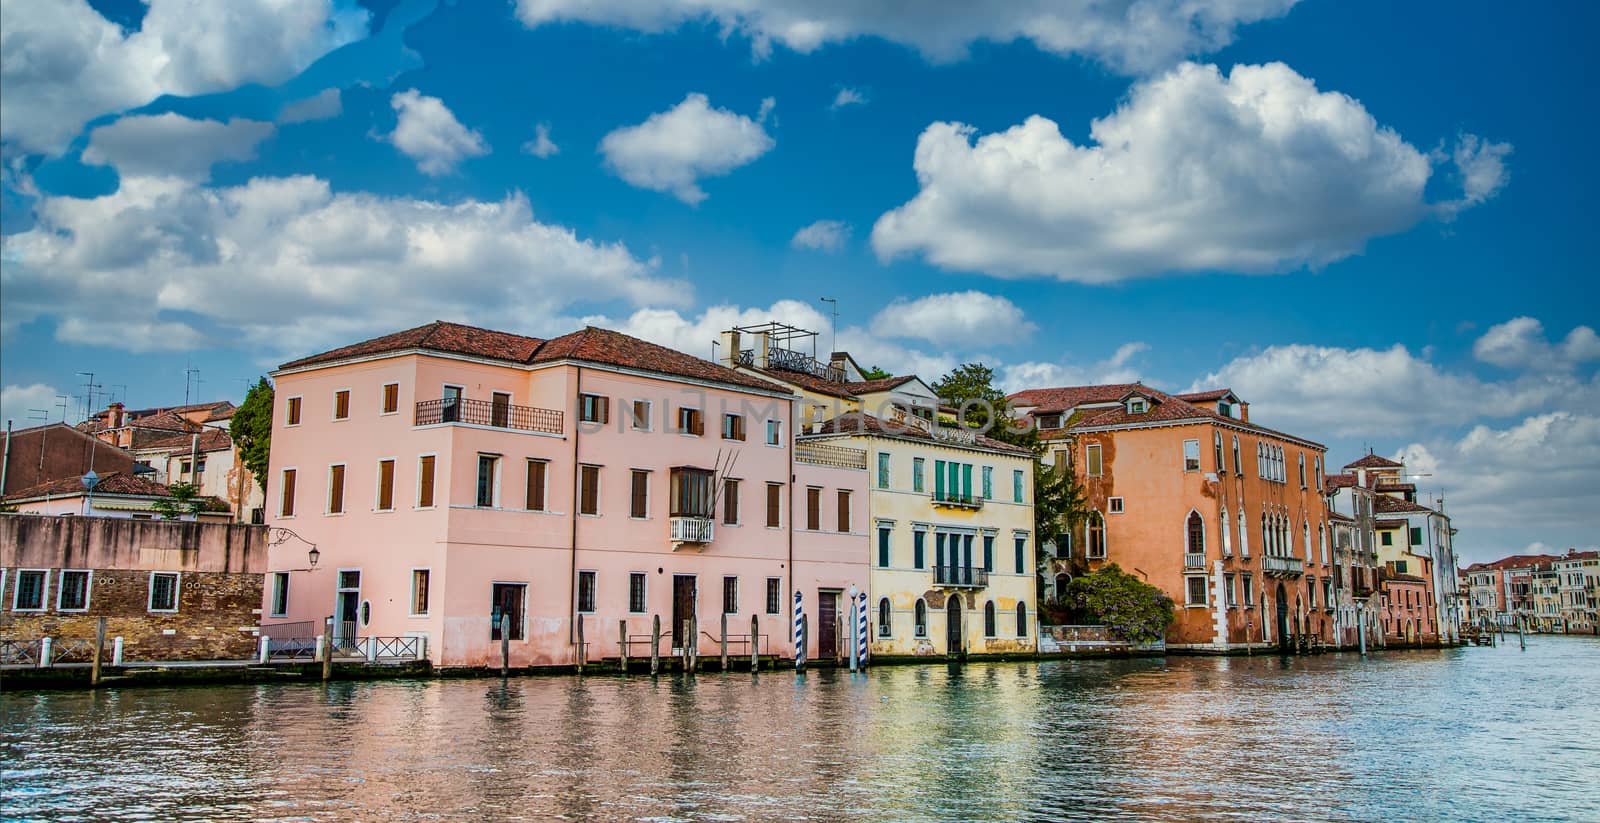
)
(327, 651)
(505, 645)
(622, 643)
(694, 642)
(655, 644)
(724, 641)
(755, 646)
(683, 645)
(583, 649)
(99, 650)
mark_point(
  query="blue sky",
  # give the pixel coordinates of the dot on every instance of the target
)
(1367, 219)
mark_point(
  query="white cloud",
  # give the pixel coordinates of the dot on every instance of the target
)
(65, 64)
(671, 150)
(16, 401)
(1541, 472)
(1482, 168)
(971, 318)
(172, 145)
(1127, 36)
(285, 265)
(541, 146)
(848, 97)
(1521, 343)
(1253, 172)
(823, 235)
(1118, 368)
(323, 105)
(1317, 391)
(429, 133)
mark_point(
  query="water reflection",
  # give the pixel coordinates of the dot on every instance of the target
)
(1468, 734)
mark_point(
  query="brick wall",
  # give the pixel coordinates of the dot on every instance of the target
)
(216, 618)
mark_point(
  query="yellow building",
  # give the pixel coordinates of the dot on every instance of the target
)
(953, 567)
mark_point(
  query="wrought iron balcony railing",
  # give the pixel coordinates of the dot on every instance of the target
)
(488, 413)
(961, 577)
(957, 500)
(1282, 566)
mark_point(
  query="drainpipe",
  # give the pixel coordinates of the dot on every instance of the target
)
(572, 571)
(789, 522)
(6, 462)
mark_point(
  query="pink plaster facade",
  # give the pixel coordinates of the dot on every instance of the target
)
(549, 548)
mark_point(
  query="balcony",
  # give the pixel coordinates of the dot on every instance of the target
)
(960, 577)
(1275, 566)
(955, 500)
(689, 530)
(488, 413)
(839, 457)
(1194, 560)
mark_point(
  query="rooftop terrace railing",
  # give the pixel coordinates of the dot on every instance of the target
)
(488, 413)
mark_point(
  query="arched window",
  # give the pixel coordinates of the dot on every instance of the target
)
(883, 617)
(1237, 469)
(1062, 581)
(1196, 530)
(1305, 527)
(1261, 459)
(920, 618)
(1266, 535)
(1022, 620)
(1097, 536)
(1221, 467)
(1244, 534)
(1227, 535)
(989, 628)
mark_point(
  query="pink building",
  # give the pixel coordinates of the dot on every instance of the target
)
(450, 475)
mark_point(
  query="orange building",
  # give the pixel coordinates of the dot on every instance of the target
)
(1225, 516)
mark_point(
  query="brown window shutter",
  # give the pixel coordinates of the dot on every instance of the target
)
(386, 484)
(535, 496)
(288, 493)
(391, 397)
(813, 509)
(730, 501)
(738, 427)
(844, 511)
(774, 504)
(605, 410)
(697, 422)
(425, 482)
(590, 502)
(336, 490)
(641, 492)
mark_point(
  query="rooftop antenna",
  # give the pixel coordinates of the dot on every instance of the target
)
(124, 387)
(187, 373)
(833, 326)
(61, 403)
(88, 393)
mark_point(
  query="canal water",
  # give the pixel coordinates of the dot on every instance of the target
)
(1485, 734)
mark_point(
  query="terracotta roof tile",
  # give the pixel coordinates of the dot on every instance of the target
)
(1334, 482)
(861, 422)
(613, 348)
(113, 483)
(1384, 504)
(1209, 396)
(211, 440)
(440, 336)
(1163, 408)
(1373, 461)
(1070, 397)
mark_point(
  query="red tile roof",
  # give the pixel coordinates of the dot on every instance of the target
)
(1163, 408)
(1070, 397)
(1333, 515)
(440, 336)
(1334, 482)
(1383, 504)
(863, 423)
(211, 440)
(1388, 524)
(1373, 461)
(113, 483)
(1209, 396)
(882, 384)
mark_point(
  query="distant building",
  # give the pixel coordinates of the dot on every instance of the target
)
(117, 495)
(56, 451)
(1578, 578)
(185, 444)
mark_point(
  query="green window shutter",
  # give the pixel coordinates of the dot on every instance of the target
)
(988, 552)
(919, 549)
(938, 479)
(966, 480)
(1022, 551)
(988, 482)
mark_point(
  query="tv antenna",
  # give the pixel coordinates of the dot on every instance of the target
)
(833, 325)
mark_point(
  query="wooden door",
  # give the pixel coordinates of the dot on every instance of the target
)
(683, 592)
(827, 625)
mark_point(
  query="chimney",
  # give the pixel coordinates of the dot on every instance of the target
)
(760, 350)
(1244, 411)
(114, 411)
(728, 350)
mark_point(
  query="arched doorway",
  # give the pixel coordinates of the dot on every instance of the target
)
(1283, 619)
(953, 633)
(1062, 580)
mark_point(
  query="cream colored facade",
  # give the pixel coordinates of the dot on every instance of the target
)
(943, 558)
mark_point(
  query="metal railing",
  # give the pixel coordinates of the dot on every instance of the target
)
(960, 577)
(839, 457)
(1194, 560)
(20, 652)
(291, 648)
(957, 500)
(1274, 564)
(788, 360)
(76, 651)
(395, 648)
(687, 529)
(487, 413)
(299, 628)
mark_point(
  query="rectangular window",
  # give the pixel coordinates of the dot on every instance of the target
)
(988, 553)
(29, 594)
(733, 427)
(1195, 591)
(292, 412)
(844, 511)
(641, 415)
(391, 398)
(1017, 486)
(163, 592)
(1249, 591)
(1217, 452)
(1416, 535)
(385, 485)
(919, 549)
(72, 591)
(488, 479)
(1302, 470)
(1227, 583)
(1387, 538)
(534, 499)
(988, 482)
(917, 465)
(336, 489)
(774, 505)
(639, 494)
(885, 538)
(774, 432)
(692, 493)
(636, 592)
(774, 595)
(419, 591)
(507, 603)
(586, 586)
(286, 494)
(1092, 459)
(1114, 505)
(341, 404)
(883, 470)
(690, 422)
(589, 490)
(730, 595)
(1191, 455)
(813, 509)
(594, 408)
(280, 594)
(730, 502)
(425, 469)
(1020, 547)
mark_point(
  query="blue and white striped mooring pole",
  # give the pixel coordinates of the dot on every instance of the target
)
(799, 632)
(862, 632)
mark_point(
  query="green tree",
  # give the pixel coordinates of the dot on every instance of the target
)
(251, 428)
(971, 389)
(1059, 505)
(874, 373)
(185, 499)
(1130, 608)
